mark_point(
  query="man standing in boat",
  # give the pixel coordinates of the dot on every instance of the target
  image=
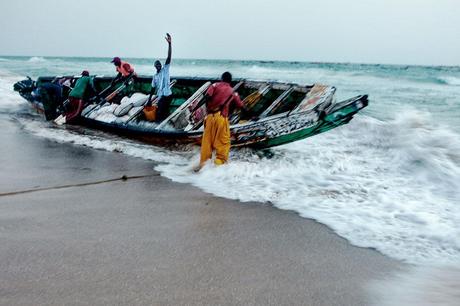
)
(123, 68)
(216, 134)
(160, 83)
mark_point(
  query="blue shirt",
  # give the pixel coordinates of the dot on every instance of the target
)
(161, 82)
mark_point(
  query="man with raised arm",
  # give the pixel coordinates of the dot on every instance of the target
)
(160, 84)
(216, 135)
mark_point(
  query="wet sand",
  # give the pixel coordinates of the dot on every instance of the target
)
(150, 241)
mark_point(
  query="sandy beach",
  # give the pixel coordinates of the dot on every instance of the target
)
(150, 241)
(343, 186)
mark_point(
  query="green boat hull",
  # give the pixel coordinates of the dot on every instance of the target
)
(304, 112)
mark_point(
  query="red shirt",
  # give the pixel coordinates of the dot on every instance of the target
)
(125, 69)
(219, 94)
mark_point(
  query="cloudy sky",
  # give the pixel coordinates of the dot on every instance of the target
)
(364, 31)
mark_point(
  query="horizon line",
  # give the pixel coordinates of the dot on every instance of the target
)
(265, 61)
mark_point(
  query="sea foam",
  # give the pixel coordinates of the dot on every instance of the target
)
(387, 185)
(420, 286)
(373, 184)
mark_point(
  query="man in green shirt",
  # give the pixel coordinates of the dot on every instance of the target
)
(76, 98)
(79, 90)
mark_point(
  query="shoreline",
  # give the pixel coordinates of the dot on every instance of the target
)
(154, 241)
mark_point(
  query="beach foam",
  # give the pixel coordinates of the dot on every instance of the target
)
(421, 286)
(392, 186)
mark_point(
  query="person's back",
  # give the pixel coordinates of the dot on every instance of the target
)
(78, 92)
(123, 68)
(216, 134)
(51, 97)
(76, 97)
(219, 98)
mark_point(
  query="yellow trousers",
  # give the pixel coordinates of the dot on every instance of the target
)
(216, 137)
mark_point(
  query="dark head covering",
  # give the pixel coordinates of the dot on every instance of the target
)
(116, 60)
(227, 77)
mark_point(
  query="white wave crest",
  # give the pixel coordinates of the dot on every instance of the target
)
(450, 80)
(37, 59)
(8, 97)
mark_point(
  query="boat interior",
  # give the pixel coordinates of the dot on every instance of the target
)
(262, 99)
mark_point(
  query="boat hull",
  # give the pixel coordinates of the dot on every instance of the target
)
(315, 114)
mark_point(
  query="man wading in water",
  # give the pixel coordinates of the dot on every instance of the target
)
(216, 134)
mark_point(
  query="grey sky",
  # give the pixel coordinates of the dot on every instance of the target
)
(365, 31)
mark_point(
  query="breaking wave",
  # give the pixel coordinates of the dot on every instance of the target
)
(8, 98)
(450, 80)
(37, 59)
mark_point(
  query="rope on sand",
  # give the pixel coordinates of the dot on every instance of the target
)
(123, 178)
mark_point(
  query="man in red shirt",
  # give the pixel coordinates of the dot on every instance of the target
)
(216, 136)
(124, 69)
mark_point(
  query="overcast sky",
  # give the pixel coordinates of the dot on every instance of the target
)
(364, 31)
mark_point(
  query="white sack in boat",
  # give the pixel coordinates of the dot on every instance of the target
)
(138, 99)
(122, 109)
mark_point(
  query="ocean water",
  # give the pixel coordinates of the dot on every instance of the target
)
(389, 180)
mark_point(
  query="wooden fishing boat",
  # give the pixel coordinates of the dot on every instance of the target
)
(277, 113)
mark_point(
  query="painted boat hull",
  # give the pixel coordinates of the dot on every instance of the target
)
(278, 129)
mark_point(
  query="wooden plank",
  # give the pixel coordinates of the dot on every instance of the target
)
(316, 96)
(277, 102)
(199, 94)
(250, 101)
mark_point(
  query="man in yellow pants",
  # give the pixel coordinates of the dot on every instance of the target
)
(216, 134)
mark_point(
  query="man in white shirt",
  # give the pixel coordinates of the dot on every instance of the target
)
(160, 83)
